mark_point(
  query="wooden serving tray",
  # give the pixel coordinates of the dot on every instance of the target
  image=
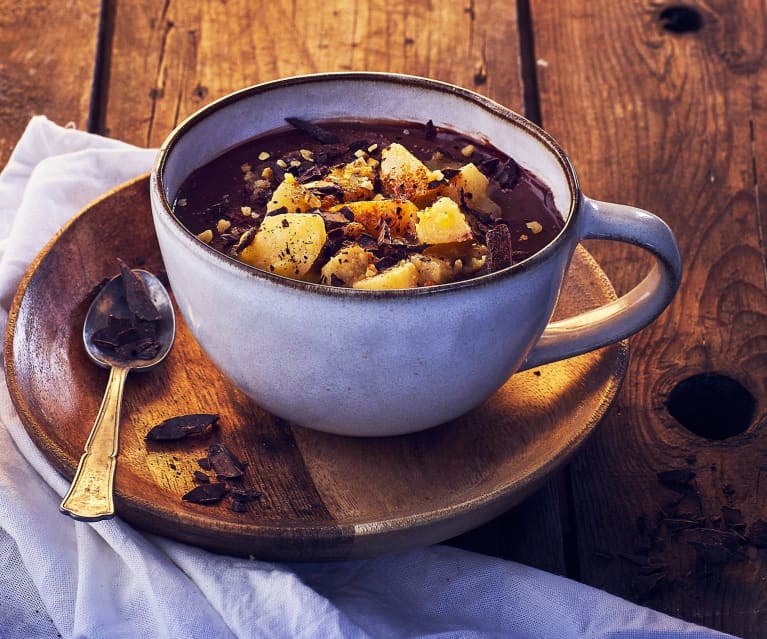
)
(324, 497)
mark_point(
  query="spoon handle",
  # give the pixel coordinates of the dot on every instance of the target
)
(90, 496)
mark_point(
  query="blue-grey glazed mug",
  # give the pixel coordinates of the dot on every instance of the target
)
(375, 363)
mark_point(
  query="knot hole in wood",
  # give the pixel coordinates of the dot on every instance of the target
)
(712, 405)
(679, 18)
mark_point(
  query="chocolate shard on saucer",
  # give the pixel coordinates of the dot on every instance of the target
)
(224, 462)
(207, 493)
(181, 426)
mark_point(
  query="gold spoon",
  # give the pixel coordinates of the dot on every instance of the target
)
(90, 496)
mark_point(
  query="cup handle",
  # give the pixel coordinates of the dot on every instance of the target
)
(631, 312)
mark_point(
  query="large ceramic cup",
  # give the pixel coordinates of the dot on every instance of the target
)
(371, 363)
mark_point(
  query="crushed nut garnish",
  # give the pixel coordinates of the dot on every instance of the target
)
(307, 155)
(223, 225)
(467, 151)
(245, 168)
(206, 236)
(534, 226)
(282, 164)
(246, 211)
(372, 148)
(264, 155)
(295, 163)
(182, 202)
(267, 173)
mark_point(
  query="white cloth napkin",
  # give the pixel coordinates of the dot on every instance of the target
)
(62, 578)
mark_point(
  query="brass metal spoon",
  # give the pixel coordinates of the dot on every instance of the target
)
(90, 496)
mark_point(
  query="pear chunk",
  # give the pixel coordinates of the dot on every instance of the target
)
(287, 244)
(442, 223)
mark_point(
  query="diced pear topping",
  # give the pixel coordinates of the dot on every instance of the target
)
(401, 275)
(291, 195)
(400, 215)
(469, 185)
(287, 244)
(357, 178)
(404, 176)
(350, 264)
(442, 223)
(436, 269)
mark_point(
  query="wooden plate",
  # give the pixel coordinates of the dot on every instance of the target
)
(324, 497)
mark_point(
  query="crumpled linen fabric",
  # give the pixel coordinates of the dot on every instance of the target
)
(64, 578)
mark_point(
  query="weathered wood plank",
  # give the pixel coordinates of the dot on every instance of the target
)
(169, 59)
(35, 78)
(673, 121)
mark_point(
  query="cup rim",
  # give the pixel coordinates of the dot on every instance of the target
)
(157, 190)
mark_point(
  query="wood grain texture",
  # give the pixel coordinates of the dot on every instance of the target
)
(672, 122)
(35, 78)
(171, 58)
(323, 496)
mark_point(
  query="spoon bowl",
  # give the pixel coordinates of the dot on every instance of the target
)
(129, 326)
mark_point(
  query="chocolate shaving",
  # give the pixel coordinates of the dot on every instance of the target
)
(238, 506)
(224, 462)
(245, 494)
(128, 337)
(498, 241)
(323, 136)
(384, 234)
(181, 426)
(137, 294)
(207, 493)
(334, 217)
(430, 132)
(311, 174)
(201, 477)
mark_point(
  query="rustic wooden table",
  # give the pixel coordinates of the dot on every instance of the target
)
(660, 105)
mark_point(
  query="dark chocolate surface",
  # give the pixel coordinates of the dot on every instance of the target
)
(218, 190)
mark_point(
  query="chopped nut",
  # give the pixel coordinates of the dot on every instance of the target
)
(372, 148)
(222, 226)
(245, 168)
(467, 151)
(437, 156)
(264, 155)
(206, 236)
(282, 164)
(307, 155)
(523, 238)
(261, 184)
(534, 226)
(295, 163)
(267, 173)
(360, 153)
(182, 201)
(246, 211)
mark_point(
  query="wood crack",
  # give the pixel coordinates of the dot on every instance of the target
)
(757, 203)
(158, 89)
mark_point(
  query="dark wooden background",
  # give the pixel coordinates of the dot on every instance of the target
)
(660, 104)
